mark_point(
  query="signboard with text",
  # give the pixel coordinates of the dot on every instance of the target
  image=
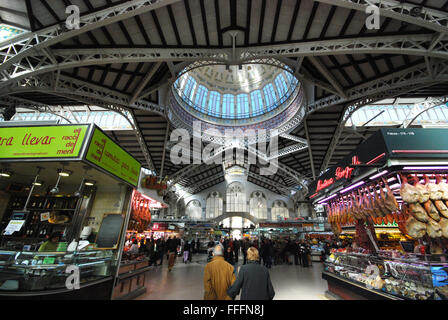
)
(108, 155)
(45, 142)
(386, 143)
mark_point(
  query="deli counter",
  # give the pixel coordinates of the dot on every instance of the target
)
(390, 276)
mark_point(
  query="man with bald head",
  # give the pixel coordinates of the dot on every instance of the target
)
(218, 276)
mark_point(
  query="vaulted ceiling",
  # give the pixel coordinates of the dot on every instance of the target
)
(126, 52)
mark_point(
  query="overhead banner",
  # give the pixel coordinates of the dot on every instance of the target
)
(109, 156)
(46, 142)
(416, 143)
(386, 143)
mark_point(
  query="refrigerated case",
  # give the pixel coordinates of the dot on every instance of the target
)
(353, 275)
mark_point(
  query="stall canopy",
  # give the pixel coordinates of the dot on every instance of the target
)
(85, 142)
(383, 149)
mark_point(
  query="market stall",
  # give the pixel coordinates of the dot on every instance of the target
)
(64, 205)
(132, 274)
(389, 198)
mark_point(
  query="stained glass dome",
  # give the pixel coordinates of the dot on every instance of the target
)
(258, 95)
(235, 92)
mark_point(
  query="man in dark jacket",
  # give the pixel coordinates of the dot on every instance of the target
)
(171, 246)
(246, 245)
(236, 249)
(253, 280)
(295, 251)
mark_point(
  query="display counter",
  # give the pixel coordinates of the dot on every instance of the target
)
(131, 280)
(43, 275)
(64, 208)
(353, 275)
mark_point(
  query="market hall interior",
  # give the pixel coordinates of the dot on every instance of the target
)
(146, 131)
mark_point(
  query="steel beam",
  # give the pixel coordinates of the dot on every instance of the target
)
(144, 82)
(282, 188)
(327, 74)
(351, 108)
(431, 19)
(413, 76)
(73, 58)
(16, 50)
(310, 152)
(420, 109)
(93, 93)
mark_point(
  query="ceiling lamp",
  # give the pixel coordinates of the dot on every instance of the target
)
(64, 173)
(5, 173)
(89, 183)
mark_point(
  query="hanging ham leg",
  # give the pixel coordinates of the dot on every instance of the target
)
(432, 210)
(442, 208)
(444, 226)
(408, 192)
(390, 203)
(418, 212)
(415, 228)
(423, 193)
(443, 187)
(433, 189)
(380, 202)
(433, 229)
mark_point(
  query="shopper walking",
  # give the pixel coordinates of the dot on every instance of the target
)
(198, 246)
(236, 249)
(230, 258)
(171, 246)
(253, 280)
(186, 251)
(246, 245)
(295, 250)
(218, 276)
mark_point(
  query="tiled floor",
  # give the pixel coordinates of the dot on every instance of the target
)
(185, 282)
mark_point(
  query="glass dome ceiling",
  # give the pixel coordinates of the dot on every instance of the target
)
(245, 92)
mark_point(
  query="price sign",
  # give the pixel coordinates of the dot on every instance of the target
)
(13, 226)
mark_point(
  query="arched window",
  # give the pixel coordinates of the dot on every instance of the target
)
(258, 205)
(279, 210)
(236, 223)
(235, 198)
(269, 95)
(282, 88)
(228, 105)
(194, 210)
(214, 103)
(201, 98)
(257, 102)
(213, 207)
(189, 88)
(242, 103)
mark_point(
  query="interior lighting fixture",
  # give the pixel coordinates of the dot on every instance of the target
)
(360, 183)
(328, 198)
(38, 184)
(425, 168)
(89, 183)
(378, 175)
(5, 173)
(64, 173)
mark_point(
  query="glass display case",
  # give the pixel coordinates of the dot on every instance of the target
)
(23, 271)
(402, 276)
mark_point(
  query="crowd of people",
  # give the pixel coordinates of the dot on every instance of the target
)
(271, 252)
(234, 266)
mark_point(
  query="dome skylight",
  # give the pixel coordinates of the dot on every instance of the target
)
(235, 92)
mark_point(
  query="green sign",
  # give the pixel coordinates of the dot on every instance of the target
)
(42, 142)
(106, 154)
